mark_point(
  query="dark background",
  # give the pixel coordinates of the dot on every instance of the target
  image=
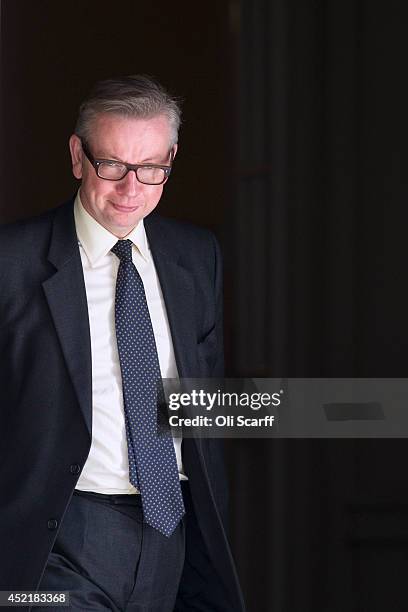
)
(293, 150)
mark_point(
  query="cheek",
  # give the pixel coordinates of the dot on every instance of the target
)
(97, 189)
(154, 195)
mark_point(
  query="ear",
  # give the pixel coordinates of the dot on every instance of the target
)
(75, 148)
(175, 147)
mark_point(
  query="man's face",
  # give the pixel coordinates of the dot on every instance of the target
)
(120, 205)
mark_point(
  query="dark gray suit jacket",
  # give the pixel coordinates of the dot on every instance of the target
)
(45, 380)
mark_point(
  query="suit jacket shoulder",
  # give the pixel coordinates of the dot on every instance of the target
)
(195, 246)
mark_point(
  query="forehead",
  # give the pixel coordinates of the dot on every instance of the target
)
(127, 138)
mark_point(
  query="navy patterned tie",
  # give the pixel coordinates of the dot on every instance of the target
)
(152, 459)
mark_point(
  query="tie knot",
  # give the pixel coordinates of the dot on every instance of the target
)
(123, 250)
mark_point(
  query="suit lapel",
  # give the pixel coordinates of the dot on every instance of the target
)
(66, 296)
(177, 284)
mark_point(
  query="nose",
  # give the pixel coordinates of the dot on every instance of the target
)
(129, 185)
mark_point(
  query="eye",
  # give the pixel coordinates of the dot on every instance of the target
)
(112, 164)
(112, 170)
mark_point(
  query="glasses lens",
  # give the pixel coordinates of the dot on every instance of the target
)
(111, 170)
(151, 176)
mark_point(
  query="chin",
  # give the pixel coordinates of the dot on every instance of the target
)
(126, 223)
(121, 230)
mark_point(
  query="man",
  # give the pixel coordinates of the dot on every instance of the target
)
(100, 297)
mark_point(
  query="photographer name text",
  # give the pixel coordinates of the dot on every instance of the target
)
(221, 421)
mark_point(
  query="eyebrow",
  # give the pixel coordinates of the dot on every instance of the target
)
(149, 160)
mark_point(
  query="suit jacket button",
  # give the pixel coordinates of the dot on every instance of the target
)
(52, 524)
(75, 469)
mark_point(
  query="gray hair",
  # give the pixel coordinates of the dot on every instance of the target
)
(136, 97)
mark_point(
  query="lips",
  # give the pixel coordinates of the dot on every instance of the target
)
(125, 209)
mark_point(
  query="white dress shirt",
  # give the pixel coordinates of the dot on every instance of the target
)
(107, 468)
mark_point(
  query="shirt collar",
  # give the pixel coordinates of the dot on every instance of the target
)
(97, 241)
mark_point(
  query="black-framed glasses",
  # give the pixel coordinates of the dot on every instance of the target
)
(111, 170)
